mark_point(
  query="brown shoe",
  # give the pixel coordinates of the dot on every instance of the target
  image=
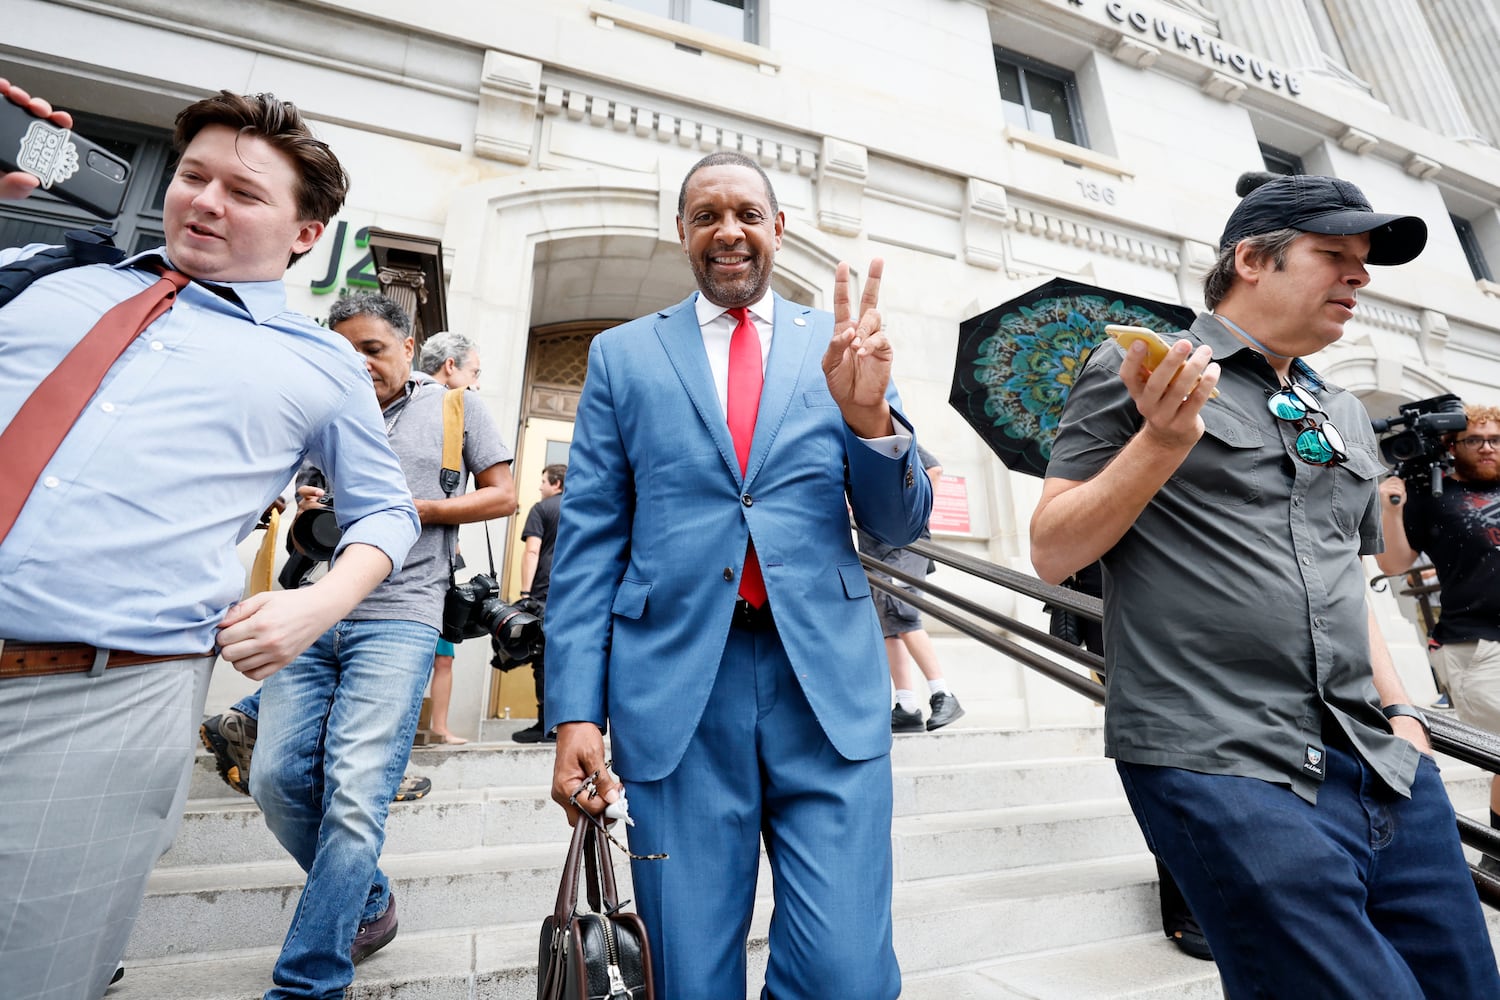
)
(375, 935)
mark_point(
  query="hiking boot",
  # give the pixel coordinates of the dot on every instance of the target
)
(533, 734)
(377, 934)
(412, 787)
(945, 709)
(903, 721)
(230, 738)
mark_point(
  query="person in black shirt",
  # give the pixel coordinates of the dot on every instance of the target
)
(1459, 529)
(540, 534)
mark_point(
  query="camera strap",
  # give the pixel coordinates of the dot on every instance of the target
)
(451, 474)
(453, 441)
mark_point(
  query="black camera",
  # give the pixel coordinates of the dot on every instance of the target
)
(1419, 453)
(315, 533)
(474, 608)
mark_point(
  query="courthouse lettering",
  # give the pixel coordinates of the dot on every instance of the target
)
(1206, 49)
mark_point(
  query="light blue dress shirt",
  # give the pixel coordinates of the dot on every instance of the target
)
(128, 538)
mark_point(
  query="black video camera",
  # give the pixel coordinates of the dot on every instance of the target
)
(315, 532)
(1419, 453)
(474, 608)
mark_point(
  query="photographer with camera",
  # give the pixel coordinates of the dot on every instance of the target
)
(1459, 529)
(336, 726)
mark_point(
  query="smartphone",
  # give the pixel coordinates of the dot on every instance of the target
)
(1157, 346)
(71, 167)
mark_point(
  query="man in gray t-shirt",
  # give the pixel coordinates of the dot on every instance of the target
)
(1260, 728)
(336, 725)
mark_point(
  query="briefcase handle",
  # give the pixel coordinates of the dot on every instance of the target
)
(588, 849)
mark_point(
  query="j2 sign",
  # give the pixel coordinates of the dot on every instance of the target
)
(361, 274)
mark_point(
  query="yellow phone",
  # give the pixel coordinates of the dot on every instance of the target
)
(1157, 346)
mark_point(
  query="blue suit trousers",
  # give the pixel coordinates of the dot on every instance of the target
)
(759, 766)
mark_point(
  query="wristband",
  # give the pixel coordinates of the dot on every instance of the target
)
(1392, 711)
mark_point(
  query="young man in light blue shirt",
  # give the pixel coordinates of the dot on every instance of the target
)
(120, 571)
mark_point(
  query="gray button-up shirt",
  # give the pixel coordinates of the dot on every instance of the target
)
(1234, 608)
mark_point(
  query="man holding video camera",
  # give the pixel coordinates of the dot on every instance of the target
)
(336, 726)
(1459, 529)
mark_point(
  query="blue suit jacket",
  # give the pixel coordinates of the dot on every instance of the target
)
(655, 522)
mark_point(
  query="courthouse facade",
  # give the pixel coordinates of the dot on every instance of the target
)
(979, 146)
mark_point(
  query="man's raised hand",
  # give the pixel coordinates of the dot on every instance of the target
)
(857, 363)
(19, 184)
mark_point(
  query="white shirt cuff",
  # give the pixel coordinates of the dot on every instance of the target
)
(891, 446)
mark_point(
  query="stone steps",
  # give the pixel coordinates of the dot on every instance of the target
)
(1020, 872)
(939, 924)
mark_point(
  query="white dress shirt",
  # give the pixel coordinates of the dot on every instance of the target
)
(718, 327)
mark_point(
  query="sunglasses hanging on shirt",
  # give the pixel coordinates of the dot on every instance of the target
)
(1318, 442)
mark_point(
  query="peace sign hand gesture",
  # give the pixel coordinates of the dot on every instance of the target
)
(857, 363)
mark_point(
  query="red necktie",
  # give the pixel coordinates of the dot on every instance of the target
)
(745, 378)
(38, 428)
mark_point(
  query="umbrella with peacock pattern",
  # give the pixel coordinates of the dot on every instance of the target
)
(1017, 361)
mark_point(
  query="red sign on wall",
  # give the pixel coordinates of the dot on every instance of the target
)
(950, 505)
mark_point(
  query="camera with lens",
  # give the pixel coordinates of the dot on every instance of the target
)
(315, 533)
(1419, 453)
(474, 608)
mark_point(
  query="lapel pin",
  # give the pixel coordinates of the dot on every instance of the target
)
(800, 321)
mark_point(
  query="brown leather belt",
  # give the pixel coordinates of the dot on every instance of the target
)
(39, 659)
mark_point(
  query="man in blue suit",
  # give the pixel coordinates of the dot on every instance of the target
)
(708, 603)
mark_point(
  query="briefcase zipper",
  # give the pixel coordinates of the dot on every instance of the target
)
(616, 980)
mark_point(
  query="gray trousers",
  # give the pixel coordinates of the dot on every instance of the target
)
(93, 776)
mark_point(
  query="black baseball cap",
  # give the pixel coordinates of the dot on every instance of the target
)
(1317, 204)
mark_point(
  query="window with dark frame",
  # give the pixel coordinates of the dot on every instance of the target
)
(1469, 240)
(1039, 98)
(738, 19)
(41, 218)
(1279, 161)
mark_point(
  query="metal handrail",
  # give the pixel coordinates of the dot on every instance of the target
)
(1449, 736)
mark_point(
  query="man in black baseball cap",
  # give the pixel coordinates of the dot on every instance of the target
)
(1262, 733)
(1314, 204)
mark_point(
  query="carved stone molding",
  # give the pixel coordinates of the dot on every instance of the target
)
(843, 170)
(1421, 167)
(1432, 338)
(1225, 88)
(1196, 260)
(1134, 53)
(1357, 142)
(985, 218)
(509, 91)
(1095, 239)
(620, 115)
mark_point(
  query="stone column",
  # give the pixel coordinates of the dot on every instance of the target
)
(1467, 31)
(1391, 45)
(1279, 30)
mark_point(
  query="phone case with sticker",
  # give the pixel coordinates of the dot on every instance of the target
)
(69, 166)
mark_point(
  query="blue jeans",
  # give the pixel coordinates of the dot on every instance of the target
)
(1365, 894)
(336, 727)
(249, 705)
